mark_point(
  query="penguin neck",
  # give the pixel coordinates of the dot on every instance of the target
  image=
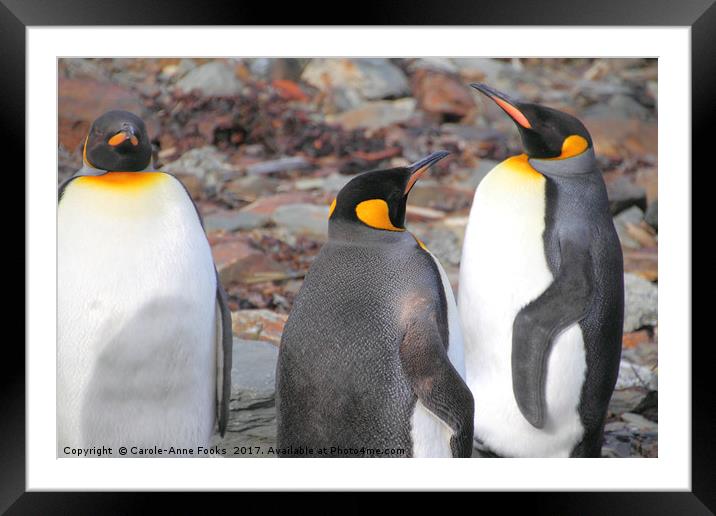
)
(89, 170)
(355, 232)
(579, 165)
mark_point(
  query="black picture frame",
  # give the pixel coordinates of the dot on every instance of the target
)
(17, 15)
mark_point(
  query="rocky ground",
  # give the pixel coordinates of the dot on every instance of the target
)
(263, 145)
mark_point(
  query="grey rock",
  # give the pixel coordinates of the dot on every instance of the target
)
(633, 215)
(269, 69)
(252, 417)
(479, 173)
(332, 183)
(640, 303)
(639, 422)
(278, 165)
(343, 99)
(471, 132)
(438, 64)
(615, 448)
(235, 221)
(214, 78)
(626, 400)
(652, 215)
(206, 163)
(624, 194)
(335, 182)
(253, 372)
(77, 68)
(443, 242)
(615, 426)
(599, 89)
(626, 106)
(175, 72)
(490, 69)
(303, 218)
(260, 67)
(376, 114)
(633, 375)
(373, 78)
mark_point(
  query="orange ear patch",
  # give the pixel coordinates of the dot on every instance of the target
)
(572, 146)
(374, 213)
(515, 113)
(84, 153)
(332, 208)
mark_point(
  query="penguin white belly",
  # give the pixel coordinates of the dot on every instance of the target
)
(136, 315)
(430, 434)
(503, 268)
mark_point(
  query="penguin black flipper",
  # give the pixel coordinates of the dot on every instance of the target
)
(565, 302)
(434, 380)
(224, 356)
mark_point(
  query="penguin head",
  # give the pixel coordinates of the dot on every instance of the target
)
(377, 199)
(118, 141)
(546, 133)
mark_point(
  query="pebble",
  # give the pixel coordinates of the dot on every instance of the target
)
(372, 78)
(640, 303)
(631, 216)
(252, 419)
(635, 375)
(213, 79)
(375, 115)
(234, 221)
(308, 219)
(206, 163)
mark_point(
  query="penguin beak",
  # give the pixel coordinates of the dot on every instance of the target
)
(127, 133)
(508, 105)
(418, 168)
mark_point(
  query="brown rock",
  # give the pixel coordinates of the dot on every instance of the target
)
(192, 184)
(648, 179)
(440, 196)
(623, 193)
(635, 338)
(260, 324)
(83, 100)
(642, 233)
(237, 261)
(617, 138)
(642, 262)
(420, 214)
(376, 114)
(268, 205)
(442, 94)
(250, 188)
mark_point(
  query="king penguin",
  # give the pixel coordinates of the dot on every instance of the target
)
(541, 292)
(371, 356)
(144, 331)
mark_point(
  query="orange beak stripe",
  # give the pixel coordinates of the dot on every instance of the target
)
(414, 178)
(118, 139)
(515, 113)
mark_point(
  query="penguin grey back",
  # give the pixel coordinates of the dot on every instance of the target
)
(339, 379)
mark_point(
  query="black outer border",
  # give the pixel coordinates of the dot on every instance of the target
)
(16, 15)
